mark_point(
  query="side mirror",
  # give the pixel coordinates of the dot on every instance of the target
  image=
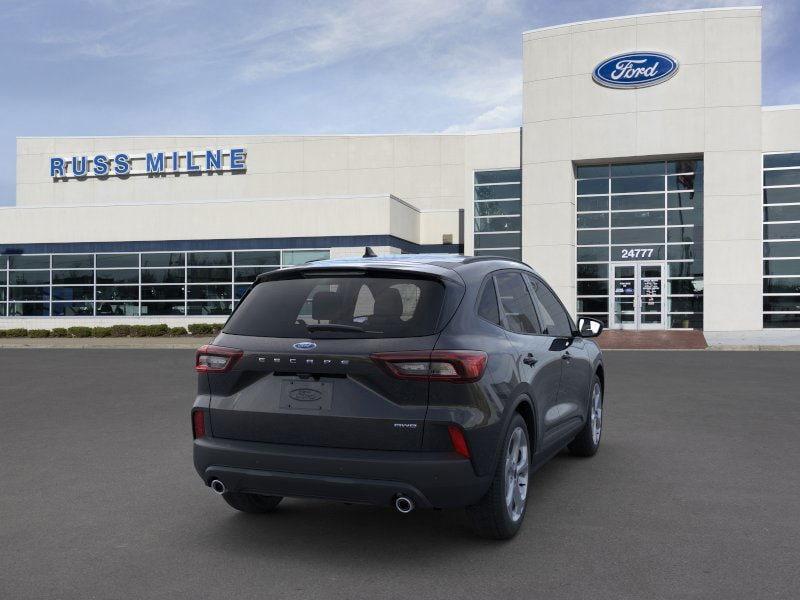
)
(589, 328)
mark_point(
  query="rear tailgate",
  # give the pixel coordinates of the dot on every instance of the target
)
(330, 395)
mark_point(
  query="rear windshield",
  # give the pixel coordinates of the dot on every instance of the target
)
(354, 306)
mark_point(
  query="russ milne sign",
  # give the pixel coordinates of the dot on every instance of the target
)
(635, 70)
(151, 163)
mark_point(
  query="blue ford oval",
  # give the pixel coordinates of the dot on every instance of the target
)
(635, 70)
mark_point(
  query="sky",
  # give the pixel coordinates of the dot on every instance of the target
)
(172, 67)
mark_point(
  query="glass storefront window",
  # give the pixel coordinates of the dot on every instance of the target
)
(497, 210)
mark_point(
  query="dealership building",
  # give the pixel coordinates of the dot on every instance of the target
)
(646, 183)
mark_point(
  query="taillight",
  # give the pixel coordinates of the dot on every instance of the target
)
(198, 424)
(216, 359)
(457, 366)
(458, 440)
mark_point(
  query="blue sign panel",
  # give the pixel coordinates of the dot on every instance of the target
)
(635, 70)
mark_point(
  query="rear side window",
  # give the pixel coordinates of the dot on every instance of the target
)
(555, 321)
(487, 303)
(515, 304)
(353, 306)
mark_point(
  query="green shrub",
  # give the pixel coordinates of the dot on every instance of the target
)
(80, 332)
(60, 332)
(16, 332)
(38, 333)
(2, 333)
(101, 332)
(138, 330)
(201, 328)
(177, 331)
(217, 327)
(120, 330)
(157, 330)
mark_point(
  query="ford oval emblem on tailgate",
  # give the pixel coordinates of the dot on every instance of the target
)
(305, 395)
(304, 346)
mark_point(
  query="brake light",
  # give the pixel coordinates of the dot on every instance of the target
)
(456, 366)
(216, 359)
(458, 440)
(198, 424)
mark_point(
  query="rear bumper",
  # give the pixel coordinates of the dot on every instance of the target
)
(431, 479)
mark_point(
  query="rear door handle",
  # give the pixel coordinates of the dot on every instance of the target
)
(529, 360)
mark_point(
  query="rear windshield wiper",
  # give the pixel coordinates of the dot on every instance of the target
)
(337, 327)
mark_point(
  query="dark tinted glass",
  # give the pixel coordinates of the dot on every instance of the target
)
(258, 257)
(684, 199)
(686, 321)
(487, 305)
(637, 218)
(681, 269)
(782, 303)
(592, 288)
(118, 276)
(493, 192)
(209, 259)
(683, 286)
(678, 252)
(497, 240)
(498, 224)
(651, 168)
(782, 160)
(780, 249)
(782, 285)
(782, 267)
(163, 275)
(162, 308)
(29, 293)
(782, 195)
(637, 202)
(637, 236)
(515, 254)
(592, 186)
(498, 176)
(73, 277)
(208, 308)
(596, 203)
(593, 220)
(162, 292)
(209, 292)
(587, 171)
(72, 309)
(683, 182)
(381, 306)
(249, 274)
(209, 275)
(593, 304)
(589, 254)
(73, 292)
(117, 309)
(499, 207)
(113, 261)
(118, 292)
(694, 304)
(299, 257)
(680, 234)
(789, 320)
(593, 236)
(592, 271)
(516, 304)
(28, 277)
(683, 217)
(782, 213)
(789, 177)
(553, 318)
(23, 261)
(783, 231)
(637, 184)
(2, 278)
(73, 261)
(164, 259)
(29, 309)
(684, 166)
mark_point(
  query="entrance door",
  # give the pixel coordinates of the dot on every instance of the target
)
(637, 300)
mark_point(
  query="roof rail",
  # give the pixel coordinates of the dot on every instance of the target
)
(483, 257)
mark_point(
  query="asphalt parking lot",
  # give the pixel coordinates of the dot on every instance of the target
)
(695, 494)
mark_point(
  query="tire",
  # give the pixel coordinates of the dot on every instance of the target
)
(587, 441)
(500, 513)
(252, 503)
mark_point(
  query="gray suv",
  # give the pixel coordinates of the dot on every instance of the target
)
(430, 381)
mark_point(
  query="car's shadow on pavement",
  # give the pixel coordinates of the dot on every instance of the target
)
(330, 531)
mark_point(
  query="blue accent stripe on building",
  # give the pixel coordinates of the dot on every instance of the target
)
(230, 244)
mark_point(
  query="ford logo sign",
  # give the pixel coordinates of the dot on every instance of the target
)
(635, 70)
(304, 346)
(305, 395)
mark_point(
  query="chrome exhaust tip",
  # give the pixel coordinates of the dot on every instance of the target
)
(218, 487)
(403, 504)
